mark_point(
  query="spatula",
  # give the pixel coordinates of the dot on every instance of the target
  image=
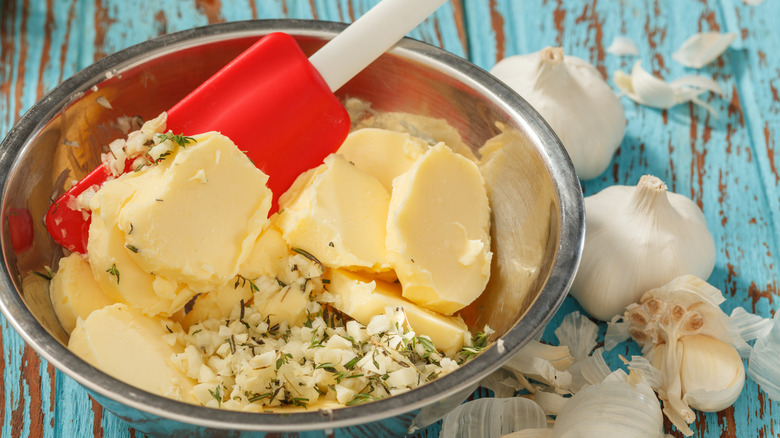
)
(273, 102)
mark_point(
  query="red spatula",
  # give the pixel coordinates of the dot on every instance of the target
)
(273, 102)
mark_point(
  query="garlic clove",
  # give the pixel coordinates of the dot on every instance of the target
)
(638, 238)
(564, 90)
(623, 46)
(711, 373)
(702, 48)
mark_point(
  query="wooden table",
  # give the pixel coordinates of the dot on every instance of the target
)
(728, 165)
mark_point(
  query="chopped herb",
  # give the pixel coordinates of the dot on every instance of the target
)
(42, 275)
(132, 248)
(168, 328)
(114, 271)
(179, 139)
(325, 281)
(351, 364)
(280, 282)
(232, 343)
(361, 398)
(327, 366)
(258, 397)
(217, 396)
(196, 332)
(240, 279)
(308, 255)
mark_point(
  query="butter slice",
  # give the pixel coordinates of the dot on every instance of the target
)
(363, 298)
(201, 217)
(118, 275)
(132, 348)
(382, 153)
(267, 257)
(339, 216)
(438, 231)
(74, 291)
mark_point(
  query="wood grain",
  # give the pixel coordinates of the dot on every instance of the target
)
(727, 164)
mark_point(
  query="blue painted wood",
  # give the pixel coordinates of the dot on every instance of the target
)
(728, 165)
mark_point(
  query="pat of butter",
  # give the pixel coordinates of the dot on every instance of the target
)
(438, 231)
(131, 347)
(382, 153)
(74, 291)
(199, 219)
(338, 216)
(363, 298)
(268, 255)
(118, 275)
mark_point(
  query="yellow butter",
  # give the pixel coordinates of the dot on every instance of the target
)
(339, 216)
(201, 217)
(438, 231)
(131, 347)
(382, 153)
(74, 291)
(363, 298)
(118, 275)
(267, 256)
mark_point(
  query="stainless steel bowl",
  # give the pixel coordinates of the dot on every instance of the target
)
(537, 210)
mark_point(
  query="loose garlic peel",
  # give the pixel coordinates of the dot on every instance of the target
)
(638, 238)
(685, 334)
(564, 90)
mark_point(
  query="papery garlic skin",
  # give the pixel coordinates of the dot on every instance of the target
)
(638, 238)
(574, 99)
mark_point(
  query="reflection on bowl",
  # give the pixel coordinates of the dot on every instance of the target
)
(537, 212)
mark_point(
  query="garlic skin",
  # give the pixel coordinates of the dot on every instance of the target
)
(638, 238)
(684, 334)
(566, 91)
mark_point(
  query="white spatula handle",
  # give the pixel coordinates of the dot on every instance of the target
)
(368, 37)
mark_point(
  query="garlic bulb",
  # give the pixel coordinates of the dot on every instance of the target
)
(638, 238)
(684, 333)
(572, 96)
(611, 409)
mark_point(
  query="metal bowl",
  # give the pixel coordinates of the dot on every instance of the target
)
(537, 209)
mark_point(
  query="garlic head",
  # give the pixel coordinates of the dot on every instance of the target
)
(684, 334)
(566, 91)
(636, 239)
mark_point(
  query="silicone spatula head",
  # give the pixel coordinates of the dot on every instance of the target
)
(273, 102)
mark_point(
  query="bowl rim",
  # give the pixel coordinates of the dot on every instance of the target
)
(553, 293)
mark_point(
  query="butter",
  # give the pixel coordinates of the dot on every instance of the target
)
(438, 231)
(267, 256)
(117, 274)
(338, 216)
(197, 218)
(74, 291)
(382, 153)
(131, 347)
(363, 298)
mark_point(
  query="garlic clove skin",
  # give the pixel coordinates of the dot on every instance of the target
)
(565, 90)
(636, 239)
